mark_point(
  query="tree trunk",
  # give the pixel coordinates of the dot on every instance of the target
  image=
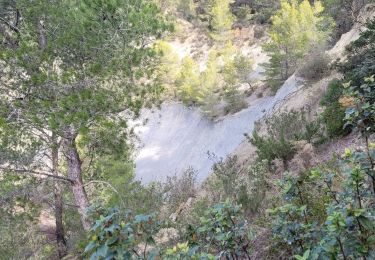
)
(59, 231)
(75, 174)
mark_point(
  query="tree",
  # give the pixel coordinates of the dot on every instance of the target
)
(295, 29)
(188, 81)
(220, 19)
(71, 71)
(169, 65)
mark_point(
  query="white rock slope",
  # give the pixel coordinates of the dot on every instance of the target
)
(177, 137)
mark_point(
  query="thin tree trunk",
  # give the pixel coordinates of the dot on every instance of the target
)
(59, 231)
(75, 174)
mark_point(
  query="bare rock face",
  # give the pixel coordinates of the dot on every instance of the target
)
(303, 159)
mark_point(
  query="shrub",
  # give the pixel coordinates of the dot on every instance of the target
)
(243, 13)
(235, 101)
(282, 131)
(293, 125)
(223, 232)
(245, 185)
(361, 113)
(333, 93)
(253, 192)
(117, 235)
(228, 172)
(178, 189)
(333, 114)
(333, 119)
(360, 56)
(270, 148)
(315, 65)
(345, 228)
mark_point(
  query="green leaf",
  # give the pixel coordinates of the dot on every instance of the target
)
(102, 250)
(90, 246)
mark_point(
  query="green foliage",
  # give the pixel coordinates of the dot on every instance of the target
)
(220, 19)
(114, 234)
(19, 234)
(360, 61)
(245, 185)
(113, 184)
(178, 189)
(222, 231)
(345, 229)
(225, 71)
(295, 29)
(188, 81)
(75, 80)
(79, 67)
(282, 131)
(264, 10)
(228, 172)
(359, 81)
(362, 114)
(333, 114)
(236, 70)
(243, 13)
(252, 195)
(118, 235)
(168, 67)
(315, 65)
(269, 148)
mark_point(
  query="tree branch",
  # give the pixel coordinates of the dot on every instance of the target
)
(57, 177)
(12, 27)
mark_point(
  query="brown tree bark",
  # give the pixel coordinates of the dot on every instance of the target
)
(75, 174)
(59, 231)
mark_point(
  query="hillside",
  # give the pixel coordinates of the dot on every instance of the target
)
(187, 129)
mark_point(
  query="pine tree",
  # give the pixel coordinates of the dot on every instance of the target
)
(188, 81)
(220, 19)
(295, 29)
(68, 69)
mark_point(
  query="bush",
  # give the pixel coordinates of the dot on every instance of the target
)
(270, 148)
(282, 131)
(223, 232)
(333, 114)
(315, 65)
(333, 119)
(243, 13)
(253, 191)
(178, 189)
(245, 185)
(187, 8)
(360, 56)
(360, 113)
(329, 212)
(118, 235)
(235, 102)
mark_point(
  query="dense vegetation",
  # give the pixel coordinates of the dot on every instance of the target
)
(74, 76)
